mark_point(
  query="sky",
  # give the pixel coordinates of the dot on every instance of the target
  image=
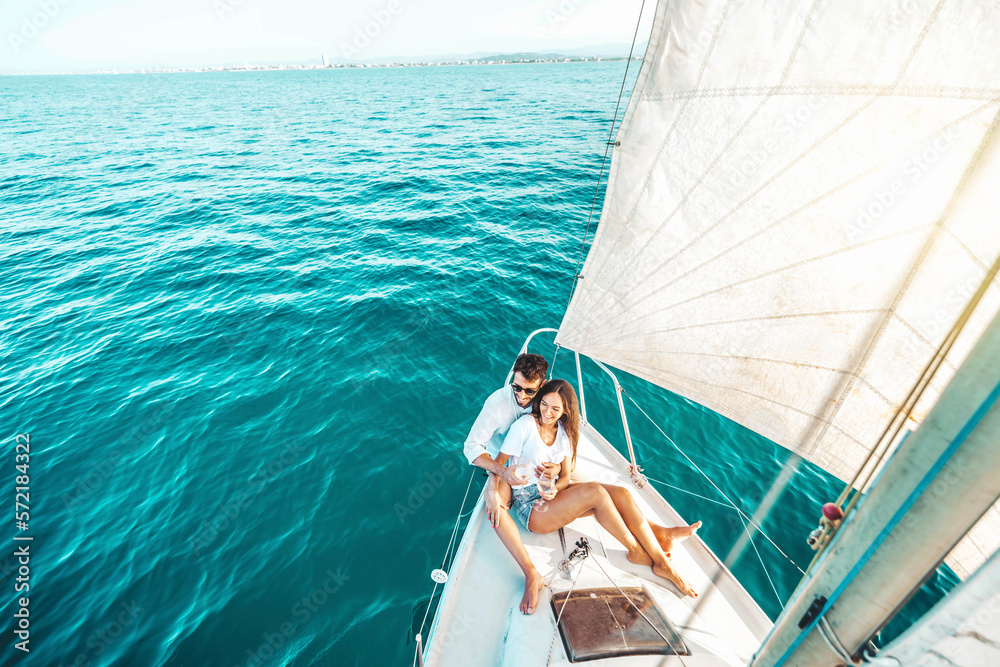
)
(83, 35)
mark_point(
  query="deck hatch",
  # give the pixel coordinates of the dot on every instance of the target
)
(600, 623)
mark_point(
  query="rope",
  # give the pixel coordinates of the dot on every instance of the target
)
(917, 390)
(555, 630)
(837, 652)
(833, 641)
(680, 451)
(604, 160)
(451, 541)
(945, 346)
(454, 531)
(754, 523)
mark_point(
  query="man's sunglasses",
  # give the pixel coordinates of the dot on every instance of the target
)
(518, 389)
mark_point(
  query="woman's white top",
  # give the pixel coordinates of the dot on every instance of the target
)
(525, 446)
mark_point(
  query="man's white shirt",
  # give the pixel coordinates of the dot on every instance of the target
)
(499, 411)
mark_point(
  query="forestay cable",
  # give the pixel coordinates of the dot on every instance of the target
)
(754, 523)
(610, 142)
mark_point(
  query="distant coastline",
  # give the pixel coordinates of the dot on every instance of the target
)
(458, 62)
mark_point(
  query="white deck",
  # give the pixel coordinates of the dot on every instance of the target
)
(478, 621)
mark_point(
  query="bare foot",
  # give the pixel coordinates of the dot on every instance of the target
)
(639, 556)
(667, 572)
(532, 584)
(668, 537)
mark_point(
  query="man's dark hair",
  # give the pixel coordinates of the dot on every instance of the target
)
(531, 366)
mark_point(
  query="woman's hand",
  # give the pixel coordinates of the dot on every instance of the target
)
(547, 471)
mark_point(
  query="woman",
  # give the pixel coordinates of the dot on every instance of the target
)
(545, 442)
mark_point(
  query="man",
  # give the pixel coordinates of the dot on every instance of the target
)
(503, 408)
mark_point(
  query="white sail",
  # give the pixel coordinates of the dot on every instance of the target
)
(802, 202)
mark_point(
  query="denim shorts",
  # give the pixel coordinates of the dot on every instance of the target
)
(523, 500)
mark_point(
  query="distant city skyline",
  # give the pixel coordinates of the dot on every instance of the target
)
(44, 36)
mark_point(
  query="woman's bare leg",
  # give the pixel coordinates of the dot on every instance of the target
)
(644, 534)
(508, 533)
(670, 537)
(638, 525)
(665, 537)
(578, 499)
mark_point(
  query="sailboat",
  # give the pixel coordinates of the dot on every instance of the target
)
(800, 232)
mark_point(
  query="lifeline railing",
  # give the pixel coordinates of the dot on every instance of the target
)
(634, 470)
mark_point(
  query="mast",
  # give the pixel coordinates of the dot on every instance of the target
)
(935, 488)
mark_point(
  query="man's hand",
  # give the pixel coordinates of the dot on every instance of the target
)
(493, 506)
(511, 477)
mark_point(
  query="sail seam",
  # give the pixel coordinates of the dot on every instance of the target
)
(767, 274)
(669, 132)
(819, 198)
(718, 156)
(917, 43)
(865, 311)
(931, 20)
(796, 364)
(923, 339)
(722, 410)
(760, 189)
(888, 90)
(972, 165)
(904, 288)
(978, 262)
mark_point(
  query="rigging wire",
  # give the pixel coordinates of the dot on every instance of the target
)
(754, 523)
(743, 517)
(610, 142)
(692, 493)
(761, 559)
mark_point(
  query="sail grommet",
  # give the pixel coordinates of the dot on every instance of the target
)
(439, 576)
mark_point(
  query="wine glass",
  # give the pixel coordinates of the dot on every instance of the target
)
(524, 471)
(546, 486)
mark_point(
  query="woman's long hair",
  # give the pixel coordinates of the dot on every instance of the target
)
(570, 417)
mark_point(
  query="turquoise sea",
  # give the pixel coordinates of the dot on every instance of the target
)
(248, 319)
